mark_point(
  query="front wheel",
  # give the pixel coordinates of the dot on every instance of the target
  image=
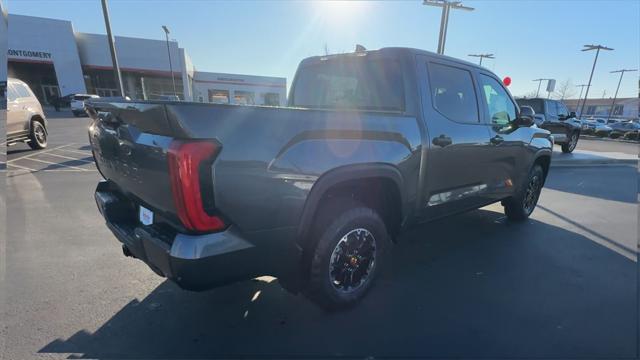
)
(521, 205)
(350, 251)
(38, 136)
(571, 145)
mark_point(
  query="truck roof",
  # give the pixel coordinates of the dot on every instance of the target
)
(394, 52)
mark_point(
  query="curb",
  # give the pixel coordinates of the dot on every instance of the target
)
(594, 162)
(590, 137)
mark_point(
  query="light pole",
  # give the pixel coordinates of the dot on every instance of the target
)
(622, 71)
(589, 48)
(540, 83)
(481, 56)
(581, 86)
(112, 48)
(446, 6)
(173, 80)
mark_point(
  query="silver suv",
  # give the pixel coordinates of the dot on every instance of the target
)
(25, 119)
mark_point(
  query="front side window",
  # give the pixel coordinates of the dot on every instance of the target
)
(453, 93)
(356, 83)
(501, 109)
(562, 110)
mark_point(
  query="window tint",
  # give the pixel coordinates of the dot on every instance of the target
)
(536, 104)
(562, 110)
(552, 110)
(501, 108)
(21, 91)
(453, 93)
(11, 93)
(350, 83)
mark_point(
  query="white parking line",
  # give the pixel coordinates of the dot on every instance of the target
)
(87, 153)
(21, 167)
(70, 158)
(52, 163)
(39, 152)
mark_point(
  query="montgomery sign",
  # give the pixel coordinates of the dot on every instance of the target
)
(29, 53)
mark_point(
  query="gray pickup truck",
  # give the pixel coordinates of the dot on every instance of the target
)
(315, 193)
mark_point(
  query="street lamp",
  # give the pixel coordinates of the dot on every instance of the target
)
(581, 86)
(540, 83)
(589, 48)
(622, 71)
(173, 80)
(481, 56)
(112, 48)
(446, 6)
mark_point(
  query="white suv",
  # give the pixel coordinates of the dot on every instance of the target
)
(25, 119)
(77, 103)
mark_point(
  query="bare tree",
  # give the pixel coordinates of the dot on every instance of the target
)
(565, 90)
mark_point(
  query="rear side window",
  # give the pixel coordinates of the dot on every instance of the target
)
(536, 104)
(81, 97)
(350, 83)
(11, 93)
(552, 110)
(453, 93)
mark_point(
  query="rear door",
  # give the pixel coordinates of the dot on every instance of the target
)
(16, 110)
(458, 141)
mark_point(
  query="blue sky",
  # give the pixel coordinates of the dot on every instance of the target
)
(530, 39)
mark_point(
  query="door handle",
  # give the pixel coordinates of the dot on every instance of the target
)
(496, 140)
(441, 140)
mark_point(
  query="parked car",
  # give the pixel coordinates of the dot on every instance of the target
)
(621, 128)
(632, 135)
(25, 119)
(602, 130)
(315, 193)
(77, 103)
(554, 116)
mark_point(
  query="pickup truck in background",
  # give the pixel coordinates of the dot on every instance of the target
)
(554, 116)
(315, 193)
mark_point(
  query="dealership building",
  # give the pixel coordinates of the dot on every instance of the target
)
(56, 61)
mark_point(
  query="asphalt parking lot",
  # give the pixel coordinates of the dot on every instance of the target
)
(562, 285)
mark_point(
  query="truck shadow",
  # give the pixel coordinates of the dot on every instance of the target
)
(471, 285)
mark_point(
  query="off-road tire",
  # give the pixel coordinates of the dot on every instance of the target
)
(518, 206)
(336, 220)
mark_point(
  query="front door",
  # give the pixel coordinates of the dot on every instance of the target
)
(507, 142)
(457, 158)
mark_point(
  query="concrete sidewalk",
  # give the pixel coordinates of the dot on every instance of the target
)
(586, 158)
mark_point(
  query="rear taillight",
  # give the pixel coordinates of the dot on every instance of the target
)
(186, 159)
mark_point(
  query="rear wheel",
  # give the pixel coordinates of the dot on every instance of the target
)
(571, 144)
(38, 136)
(350, 251)
(521, 205)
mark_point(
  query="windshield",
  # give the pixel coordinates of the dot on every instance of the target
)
(536, 104)
(350, 83)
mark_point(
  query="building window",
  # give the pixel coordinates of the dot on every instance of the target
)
(244, 97)
(271, 99)
(617, 110)
(218, 96)
(201, 99)
(591, 110)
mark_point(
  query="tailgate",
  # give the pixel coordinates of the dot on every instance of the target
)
(130, 142)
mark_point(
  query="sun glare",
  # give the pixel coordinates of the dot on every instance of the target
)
(340, 10)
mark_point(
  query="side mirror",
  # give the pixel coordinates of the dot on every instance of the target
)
(572, 115)
(526, 117)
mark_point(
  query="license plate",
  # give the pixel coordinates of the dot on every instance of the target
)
(146, 216)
